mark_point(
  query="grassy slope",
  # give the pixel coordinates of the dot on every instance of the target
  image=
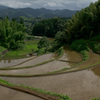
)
(2, 49)
(30, 46)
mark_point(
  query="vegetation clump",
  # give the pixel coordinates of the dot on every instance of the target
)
(83, 26)
(79, 45)
(12, 34)
(49, 27)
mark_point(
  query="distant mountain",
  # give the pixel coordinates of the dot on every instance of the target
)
(3, 7)
(29, 12)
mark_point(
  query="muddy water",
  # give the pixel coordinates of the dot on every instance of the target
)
(9, 62)
(37, 60)
(9, 94)
(13, 62)
(45, 68)
(83, 85)
(72, 56)
(96, 71)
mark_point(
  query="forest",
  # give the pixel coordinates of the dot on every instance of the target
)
(82, 30)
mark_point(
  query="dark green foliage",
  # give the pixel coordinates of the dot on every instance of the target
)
(85, 24)
(85, 55)
(95, 46)
(60, 36)
(79, 45)
(12, 34)
(56, 45)
(49, 27)
(59, 52)
(28, 22)
(44, 45)
(44, 42)
(96, 39)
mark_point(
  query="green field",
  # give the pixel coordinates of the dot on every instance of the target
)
(29, 47)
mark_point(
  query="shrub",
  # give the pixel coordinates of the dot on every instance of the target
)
(79, 45)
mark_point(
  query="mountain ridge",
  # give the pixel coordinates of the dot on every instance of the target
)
(31, 12)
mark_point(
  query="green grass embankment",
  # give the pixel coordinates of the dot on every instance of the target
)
(35, 91)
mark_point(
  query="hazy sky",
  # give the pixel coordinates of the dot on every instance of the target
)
(49, 4)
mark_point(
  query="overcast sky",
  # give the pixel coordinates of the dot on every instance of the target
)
(49, 4)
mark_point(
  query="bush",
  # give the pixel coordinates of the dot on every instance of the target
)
(41, 51)
(96, 38)
(44, 42)
(85, 55)
(79, 45)
(2, 49)
(95, 47)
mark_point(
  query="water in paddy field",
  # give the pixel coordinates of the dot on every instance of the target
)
(10, 94)
(11, 62)
(80, 85)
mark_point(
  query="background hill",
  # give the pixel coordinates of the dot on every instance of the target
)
(3, 7)
(29, 12)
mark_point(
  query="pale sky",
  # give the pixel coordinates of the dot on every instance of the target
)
(49, 4)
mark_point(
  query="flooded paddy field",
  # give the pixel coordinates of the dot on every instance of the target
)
(81, 85)
(45, 68)
(10, 94)
(13, 62)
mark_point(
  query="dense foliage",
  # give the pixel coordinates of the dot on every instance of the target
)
(79, 45)
(11, 34)
(85, 23)
(28, 22)
(44, 45)
(49, 27)
(84, 26)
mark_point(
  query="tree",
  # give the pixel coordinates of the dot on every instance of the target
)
(11, 34)
(49, 27)
(44, 42)
(79, 45)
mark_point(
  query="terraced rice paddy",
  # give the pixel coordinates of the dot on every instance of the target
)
(79, 83)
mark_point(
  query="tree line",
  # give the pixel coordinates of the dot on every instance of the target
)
(49, 27)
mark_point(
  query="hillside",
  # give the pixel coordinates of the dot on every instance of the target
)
(3, 7)
(29, 12)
